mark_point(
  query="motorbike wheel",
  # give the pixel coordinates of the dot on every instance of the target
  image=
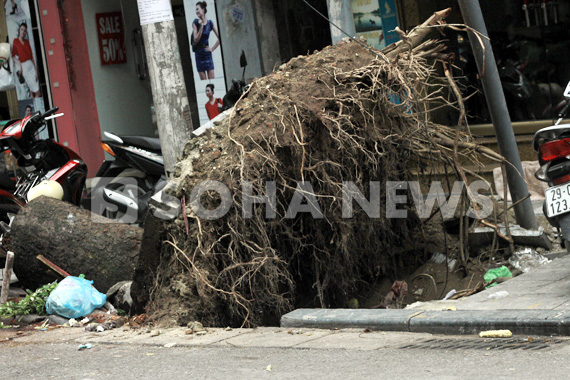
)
(567, 245)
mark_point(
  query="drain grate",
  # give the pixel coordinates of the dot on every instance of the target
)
(487, 344)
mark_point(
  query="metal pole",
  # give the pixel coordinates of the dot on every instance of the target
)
(485, 59)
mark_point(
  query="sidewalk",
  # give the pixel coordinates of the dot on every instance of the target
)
(262, 337)
(537, 302)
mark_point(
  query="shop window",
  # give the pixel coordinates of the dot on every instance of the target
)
(301, 29)
(530, 54)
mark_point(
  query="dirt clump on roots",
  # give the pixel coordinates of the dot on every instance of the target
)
(346, 113)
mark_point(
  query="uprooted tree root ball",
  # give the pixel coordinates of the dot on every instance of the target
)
(345, 113)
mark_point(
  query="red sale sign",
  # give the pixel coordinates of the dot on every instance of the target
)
(111, 38)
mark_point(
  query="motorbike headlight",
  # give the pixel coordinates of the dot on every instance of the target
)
(47, 188)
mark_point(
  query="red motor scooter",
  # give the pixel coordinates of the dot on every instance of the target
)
(38, 161)
(553, 147)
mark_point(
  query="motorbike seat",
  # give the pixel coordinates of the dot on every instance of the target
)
(149, 143)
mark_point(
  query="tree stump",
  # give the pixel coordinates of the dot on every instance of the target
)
(76, 240)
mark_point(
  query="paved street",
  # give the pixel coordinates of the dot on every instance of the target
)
(277, 353)
(300, 353)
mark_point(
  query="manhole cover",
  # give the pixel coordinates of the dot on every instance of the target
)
(487, 344)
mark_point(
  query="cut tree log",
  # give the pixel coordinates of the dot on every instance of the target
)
(75, 239)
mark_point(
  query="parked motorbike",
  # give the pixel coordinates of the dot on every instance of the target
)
(123, 186)
(517, 89)
(44, 165)
(238, 87)
(553, 147)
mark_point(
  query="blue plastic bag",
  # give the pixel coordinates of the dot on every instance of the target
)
(74, 297)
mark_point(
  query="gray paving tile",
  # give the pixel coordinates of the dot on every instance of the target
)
(348, 340)
(286, 337)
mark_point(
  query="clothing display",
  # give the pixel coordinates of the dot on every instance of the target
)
(204, 61)
(213, 110)
(23, 50)
(30, 76)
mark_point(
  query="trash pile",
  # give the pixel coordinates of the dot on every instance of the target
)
(527, 259)
(73, 302)
(346, 113)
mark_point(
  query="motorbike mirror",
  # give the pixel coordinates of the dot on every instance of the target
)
(567, 92)
(243, 61)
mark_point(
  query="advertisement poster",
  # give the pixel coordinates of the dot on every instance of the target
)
(389, 16)
(25, 67)
(204, 37)
(111, 36)
(375, 20)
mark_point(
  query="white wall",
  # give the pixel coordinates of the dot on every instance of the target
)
(236, 37)
(123, 100)
(340, 13)
(267, 31)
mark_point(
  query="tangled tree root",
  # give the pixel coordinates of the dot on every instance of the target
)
(346, 113)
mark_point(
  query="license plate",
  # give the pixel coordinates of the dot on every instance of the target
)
(557, 200)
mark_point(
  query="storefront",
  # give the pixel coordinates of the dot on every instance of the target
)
(90, 56)
(90, 60)
(530, 45)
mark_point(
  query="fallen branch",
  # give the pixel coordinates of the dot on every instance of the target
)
(416, 35)
(52, 266)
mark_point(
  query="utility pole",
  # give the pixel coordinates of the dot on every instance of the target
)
(340, 13)
(174, 126)
(493, 90)
(166, 78)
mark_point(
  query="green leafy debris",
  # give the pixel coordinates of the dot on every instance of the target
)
(33, 303)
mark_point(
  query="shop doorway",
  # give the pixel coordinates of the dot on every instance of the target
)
(122, 89)
(301, 29)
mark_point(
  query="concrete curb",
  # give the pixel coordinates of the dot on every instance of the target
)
(374, 319)
(536, 322)
(24, 320)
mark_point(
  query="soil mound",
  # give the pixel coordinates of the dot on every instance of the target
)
(344, 114)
